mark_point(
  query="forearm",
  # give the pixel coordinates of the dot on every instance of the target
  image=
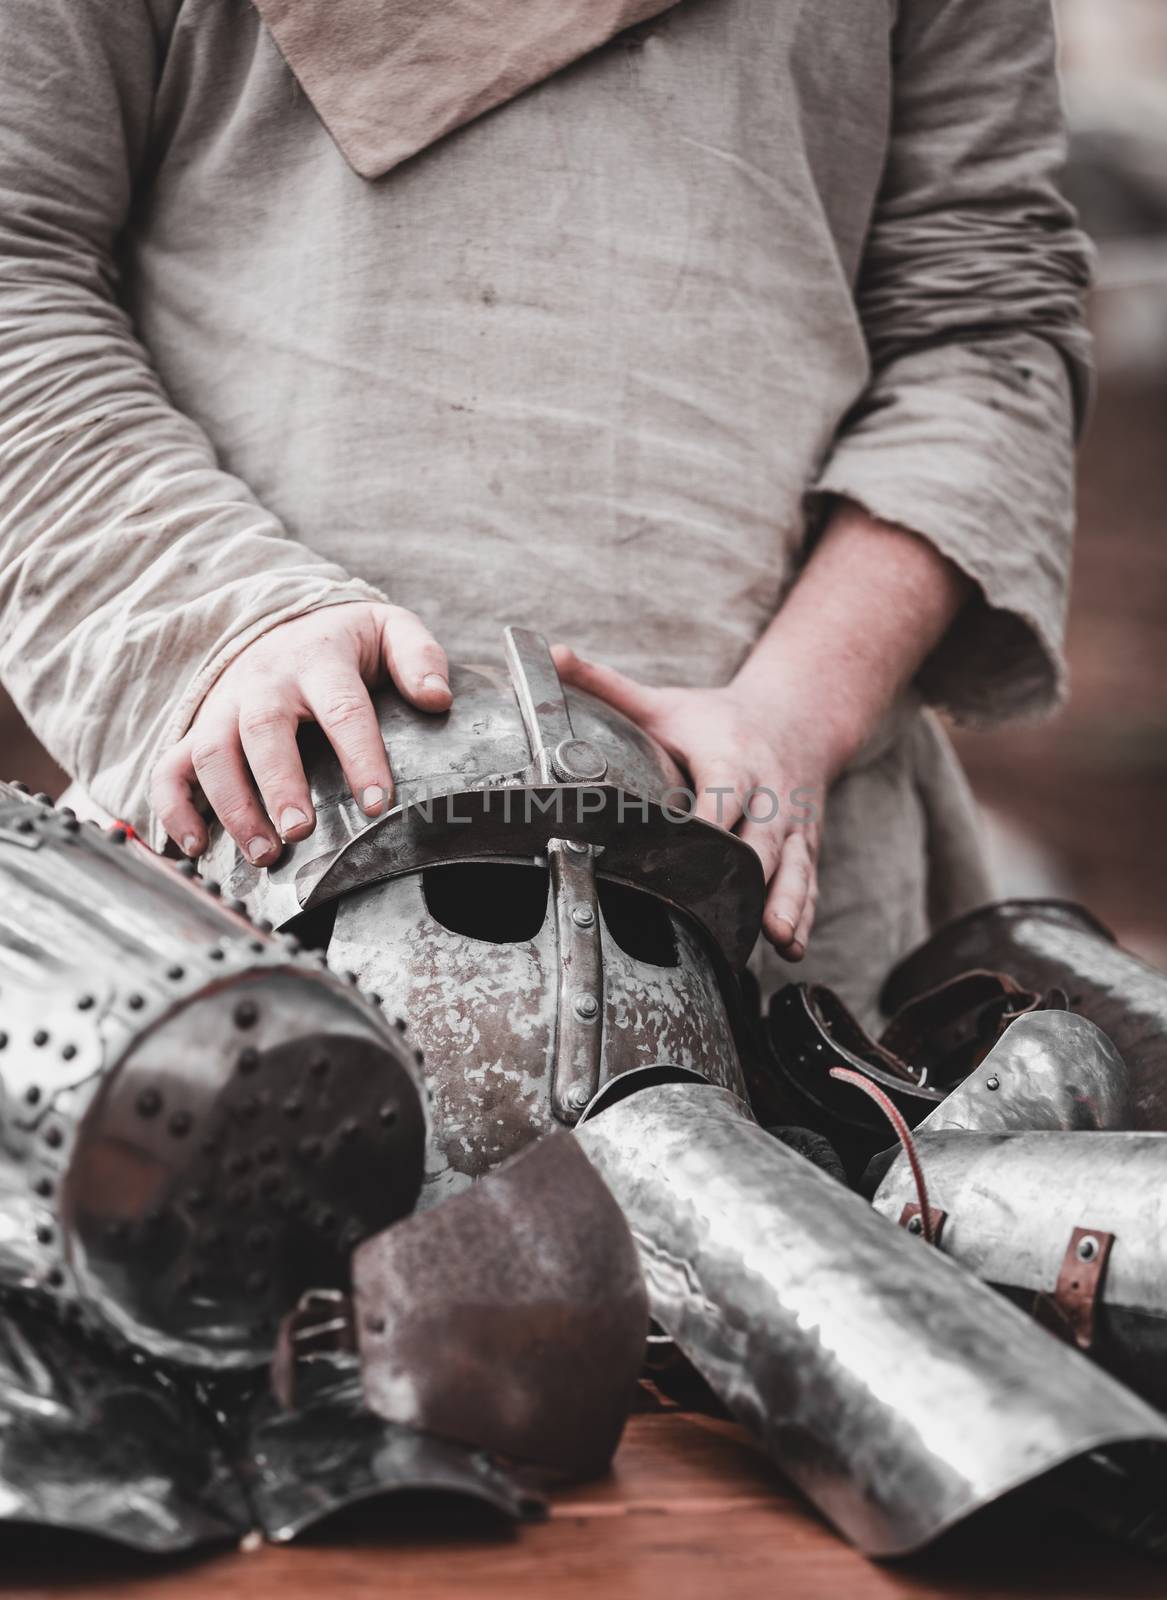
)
(870, 606)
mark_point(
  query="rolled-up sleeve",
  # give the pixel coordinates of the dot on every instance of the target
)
(132, 569)
(971, 296)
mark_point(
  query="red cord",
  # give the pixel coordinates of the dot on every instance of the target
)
(903, 1132)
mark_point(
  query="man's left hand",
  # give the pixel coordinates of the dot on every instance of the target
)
(756, 769)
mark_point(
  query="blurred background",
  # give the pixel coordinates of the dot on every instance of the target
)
(1077, 806)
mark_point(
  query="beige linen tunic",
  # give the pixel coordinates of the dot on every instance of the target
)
(589, 363)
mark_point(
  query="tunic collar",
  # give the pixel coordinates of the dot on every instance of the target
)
(388, 77)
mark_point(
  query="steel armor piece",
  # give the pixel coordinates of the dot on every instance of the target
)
(535, 902)
(1075, 1229)
(196, 1121)
(1042, 943)
(899, 1393)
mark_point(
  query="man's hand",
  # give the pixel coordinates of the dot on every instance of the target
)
(756, 768)
(871, 603)
(240, 750)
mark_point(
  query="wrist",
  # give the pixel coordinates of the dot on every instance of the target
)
(807, 705)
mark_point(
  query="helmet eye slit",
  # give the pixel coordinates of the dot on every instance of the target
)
(495, 901)
(639, 923)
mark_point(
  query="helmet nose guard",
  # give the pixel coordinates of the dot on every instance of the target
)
(524, 793)
(197, 1121)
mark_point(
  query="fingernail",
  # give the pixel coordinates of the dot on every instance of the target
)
(434, 682)
(190, 844)
(373, 799)
(291, 817)
(257, 848)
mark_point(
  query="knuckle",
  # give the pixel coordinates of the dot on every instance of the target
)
(206, 753)
(342, 711)
(261, 721)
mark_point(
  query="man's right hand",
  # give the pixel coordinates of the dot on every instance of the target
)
(241, 751)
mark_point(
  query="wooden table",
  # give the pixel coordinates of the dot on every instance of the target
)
(691, 1512)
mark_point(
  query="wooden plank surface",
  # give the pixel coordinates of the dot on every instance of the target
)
(691, 1512)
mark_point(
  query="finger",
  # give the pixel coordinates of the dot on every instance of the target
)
(721, 790)
(416, 661)
(635, 700)
(802, 933)
(787, 898)
(767, 839)
(173, 803)
(267, 731)
(338, 699)
(217, 757)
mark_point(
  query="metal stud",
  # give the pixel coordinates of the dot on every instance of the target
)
(583, 916)
(246, 1014)
(387, 1115)
(135, 1001)
(54, 1138)
(118, 835)
(68, 1051)
(1087, 1248)
(993, 1083)
(43, 1187)
(248, 1059)
(44, 1234)
(175, 973)
(213, 887)
(186, 869)
(3, 1039)
(148, 1103)
(32, 1094)
(180, 1124)
(586, 1007)
(577, 1097)
(40, 1037)
(86, 1002)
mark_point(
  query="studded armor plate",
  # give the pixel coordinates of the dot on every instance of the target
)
(197, 1121)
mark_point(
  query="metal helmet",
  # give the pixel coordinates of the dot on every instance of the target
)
(536, 903)
(196, 1122)
(1074, 1229)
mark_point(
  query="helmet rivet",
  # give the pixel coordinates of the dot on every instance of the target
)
(577, 1097)
(175, 973)
(40, 1037)
(583, 916)
(915, 1224)
(1087, 1248)
(993, 1083)
(586, 1007)
(85, 1002)
(246, 1014)
(135, 1002)
(180, 1124)
(248, 1059)
(578, 761)
(148, 1103)
(577, 846)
